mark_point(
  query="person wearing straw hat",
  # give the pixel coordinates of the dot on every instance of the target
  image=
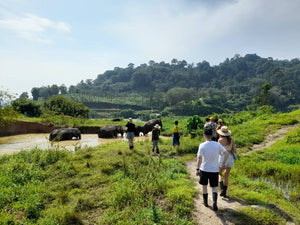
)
(220, 124)
(208, 166)
(155, 138)
(228, 143)
(130, 132)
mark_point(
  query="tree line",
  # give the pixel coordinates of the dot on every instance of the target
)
(181, 88)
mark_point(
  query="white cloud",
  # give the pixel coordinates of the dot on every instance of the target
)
(168, 29)
(34, 28)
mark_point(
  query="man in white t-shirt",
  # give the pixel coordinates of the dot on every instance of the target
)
(208, 165)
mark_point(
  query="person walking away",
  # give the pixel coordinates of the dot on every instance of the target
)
(175, 134)
(207, 121)
(211, 124)
(155, 138)
(208, 166)
(228, 143)
(220, 124)
(130, 132)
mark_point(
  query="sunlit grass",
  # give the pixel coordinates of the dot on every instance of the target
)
(111, 184)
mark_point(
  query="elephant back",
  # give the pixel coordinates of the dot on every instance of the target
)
(110, 131)
(149, 125)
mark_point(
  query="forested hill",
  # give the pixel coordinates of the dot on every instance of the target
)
(187, 89)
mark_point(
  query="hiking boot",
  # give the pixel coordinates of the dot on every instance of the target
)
(223, 192)
(221, 186)
(157, 151)
(205, 197)
(215, 198)
(153, 150)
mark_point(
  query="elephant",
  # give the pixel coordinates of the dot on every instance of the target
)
(110, 131)
(62, 134)
(138, 130)
(149, 125)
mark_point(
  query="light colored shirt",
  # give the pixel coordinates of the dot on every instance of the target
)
(210, 151)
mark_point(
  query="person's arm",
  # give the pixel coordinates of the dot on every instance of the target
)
(233, 146)
(199, 161)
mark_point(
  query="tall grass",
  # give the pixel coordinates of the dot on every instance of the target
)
(104, 185)
(270, 176)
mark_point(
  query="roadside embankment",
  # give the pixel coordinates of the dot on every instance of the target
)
(22, 127)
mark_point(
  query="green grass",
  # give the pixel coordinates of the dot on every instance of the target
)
(110, 184)
(272, 175)
(260, 216)
(106, 185)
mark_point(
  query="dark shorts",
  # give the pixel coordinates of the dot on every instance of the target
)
(212, 177)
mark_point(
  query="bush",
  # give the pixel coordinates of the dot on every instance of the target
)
(61, 105)
(27, 107)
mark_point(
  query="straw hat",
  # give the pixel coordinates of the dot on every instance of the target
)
(224, 131)
(212, 118)
(220, 121)
(130, 120)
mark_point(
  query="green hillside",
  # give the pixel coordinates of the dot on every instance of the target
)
(186, 89)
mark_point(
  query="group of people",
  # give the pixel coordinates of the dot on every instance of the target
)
(215, 156)
(130, 135)
(155, 135)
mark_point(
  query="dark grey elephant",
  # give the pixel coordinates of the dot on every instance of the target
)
(110, 131)
(138, 130)
(149, 125)
(62, 134)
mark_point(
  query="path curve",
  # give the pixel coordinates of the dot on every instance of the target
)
(205, 215)
(271, 138)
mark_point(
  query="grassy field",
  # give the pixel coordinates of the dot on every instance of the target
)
(110, 184)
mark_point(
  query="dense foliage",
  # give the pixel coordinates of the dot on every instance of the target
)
(27, 107)
(191, 89)
(61, 105)
(7, 113)
(56, 105)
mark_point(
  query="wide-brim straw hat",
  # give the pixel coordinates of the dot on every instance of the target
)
(224, 131)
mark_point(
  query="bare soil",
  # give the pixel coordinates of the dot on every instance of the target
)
(205, 215)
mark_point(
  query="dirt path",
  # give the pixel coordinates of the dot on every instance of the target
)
(205, 215)
(272, 138)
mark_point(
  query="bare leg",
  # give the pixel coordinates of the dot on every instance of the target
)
(204, 189)
(220, 174)
(130, 143)
(226, 175)
(215, 189)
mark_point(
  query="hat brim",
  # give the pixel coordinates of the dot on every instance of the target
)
(224, 134)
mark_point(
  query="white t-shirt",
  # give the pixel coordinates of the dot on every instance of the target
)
(210, 151)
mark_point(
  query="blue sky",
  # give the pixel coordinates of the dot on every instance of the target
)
(45, 42)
